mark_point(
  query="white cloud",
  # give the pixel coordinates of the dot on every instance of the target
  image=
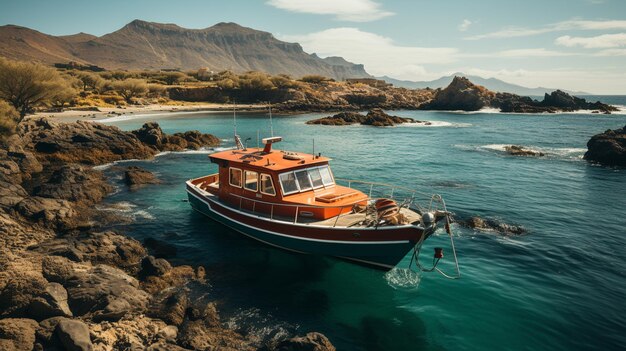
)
(345, 10)
(611, 52)
(464, 26)
(600, 41)
(521, 53)
(380, 55)
(513, 32)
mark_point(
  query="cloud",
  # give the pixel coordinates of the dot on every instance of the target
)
(611, 52)
(600, 41)
(540, 52)
(344, 10)
(465, 25)
(514, 32)
(380, 55)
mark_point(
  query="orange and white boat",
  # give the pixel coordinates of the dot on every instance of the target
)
(293, 201)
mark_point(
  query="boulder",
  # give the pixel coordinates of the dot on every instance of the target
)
(10, 172)
(154, 266)
(53, 213)
(608, 148)
(10, 195)
(57, 269)
(150, 134)
(74, 335)
(170, 307)
(51, 303)
(75, 183)
(310, 342)
(17, 334)
(105, 293)
(197, 336)
(136, 176)
(18, 293)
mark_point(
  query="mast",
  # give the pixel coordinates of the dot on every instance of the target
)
(271, 125)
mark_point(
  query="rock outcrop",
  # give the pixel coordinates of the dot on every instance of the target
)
(135, 177)
(608, 148)
(151, 134)
(375, 117)
(66, 286)
(461, 95)
(464, 95)
(492, 225)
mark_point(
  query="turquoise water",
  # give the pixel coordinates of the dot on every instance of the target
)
(562, 286)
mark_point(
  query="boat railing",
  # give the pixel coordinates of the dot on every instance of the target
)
(406, 196)
(410, 197)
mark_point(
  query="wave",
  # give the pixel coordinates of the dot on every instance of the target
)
(570, 153)
(434, 124)
(201, 151)
(127, 209)
(102, 167)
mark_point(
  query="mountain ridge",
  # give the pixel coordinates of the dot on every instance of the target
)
(150, 45)
(491, 83)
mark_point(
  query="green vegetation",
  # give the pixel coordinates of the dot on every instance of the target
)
(8, 119)
(130, 88)
(30, 85)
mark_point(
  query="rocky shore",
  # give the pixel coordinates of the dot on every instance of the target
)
(64, 285)
(463, 95)
(608, 148)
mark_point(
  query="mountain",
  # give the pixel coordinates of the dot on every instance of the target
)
(148, 45)
(489, 83)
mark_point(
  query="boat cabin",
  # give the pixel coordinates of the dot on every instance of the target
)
(280, 183)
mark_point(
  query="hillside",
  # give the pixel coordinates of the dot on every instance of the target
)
(492, 84)
(146, 45)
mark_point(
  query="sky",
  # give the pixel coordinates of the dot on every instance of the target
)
(568, 44)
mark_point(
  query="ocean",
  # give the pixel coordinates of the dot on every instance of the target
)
(560, 286)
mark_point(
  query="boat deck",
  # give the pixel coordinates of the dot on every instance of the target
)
(351, 219)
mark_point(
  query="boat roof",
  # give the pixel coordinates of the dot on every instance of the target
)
(275, 160)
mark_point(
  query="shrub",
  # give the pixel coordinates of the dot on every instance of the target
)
(28, 85)
(313, 78)
(8, 119)
(130, 88)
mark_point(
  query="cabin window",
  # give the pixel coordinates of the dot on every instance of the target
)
(327, 177)
(267, 186)
(303, 180)
(252, 181)
(235, 177)
(316, 177)
(288, 183)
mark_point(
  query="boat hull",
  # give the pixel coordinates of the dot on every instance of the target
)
(382, 248)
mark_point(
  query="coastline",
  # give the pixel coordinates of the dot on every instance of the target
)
(103, 113)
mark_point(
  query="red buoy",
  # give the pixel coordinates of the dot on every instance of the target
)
(438, 252)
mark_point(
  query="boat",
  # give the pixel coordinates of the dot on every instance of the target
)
(291, 200)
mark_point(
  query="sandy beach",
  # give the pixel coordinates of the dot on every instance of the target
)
(101, 113)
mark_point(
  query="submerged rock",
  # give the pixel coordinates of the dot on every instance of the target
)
(135, 177)
(492, 225)
(608, 148)
(517, 150)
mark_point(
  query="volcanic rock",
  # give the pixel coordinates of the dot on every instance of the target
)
(309, 342)
(375, 117)
(608, 148)
(462, 95)
(136, 176)
(105, 292)
(74, 335)
(517, 150)
(17, 334)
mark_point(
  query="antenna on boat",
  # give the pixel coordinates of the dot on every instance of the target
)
(314, 148)
(238, 142)
(257, 138)
(271, 125)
